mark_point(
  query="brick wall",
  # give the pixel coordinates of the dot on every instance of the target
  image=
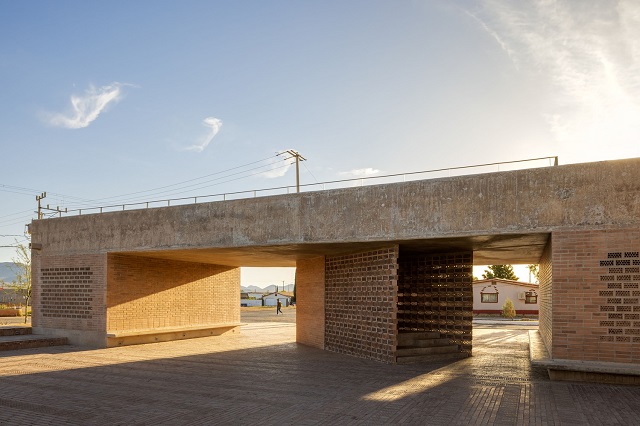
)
(360, 304)
(146, 293)
(310, 302)
(545, 296)
(69, 292)
(596, 295)
(435, 294)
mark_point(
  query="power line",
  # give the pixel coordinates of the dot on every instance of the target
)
(177, 188)
(9, 222)
(305, 166)
(29, 191)
(15, 214)
(156, 191)
(156, 201)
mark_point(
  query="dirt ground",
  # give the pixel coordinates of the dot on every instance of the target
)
(267, 314)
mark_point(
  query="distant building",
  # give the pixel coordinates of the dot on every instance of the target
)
(250, 298)
(10, 296)
(272, 298)
(489, 296)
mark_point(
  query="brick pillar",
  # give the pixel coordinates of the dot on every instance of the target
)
(596, 295)
(360, 304)
(545, 278)
(69, 297)
(310, 302)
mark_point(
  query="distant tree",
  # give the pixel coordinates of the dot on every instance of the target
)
(500, 271)
(534, 270)
(508, 310)
(22, 270)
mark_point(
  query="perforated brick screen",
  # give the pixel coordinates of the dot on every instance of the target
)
(621, 274)
(360, 304)
(67, 292)
(435, 294)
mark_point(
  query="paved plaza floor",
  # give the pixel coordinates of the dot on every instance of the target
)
(261, 376)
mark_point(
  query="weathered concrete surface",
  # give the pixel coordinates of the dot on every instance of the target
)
(504, 215)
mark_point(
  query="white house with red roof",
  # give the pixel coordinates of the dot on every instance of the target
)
(489, 296)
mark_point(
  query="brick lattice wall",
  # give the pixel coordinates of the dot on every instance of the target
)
(145, 293)
(545, 297)
(360, 304)
(310, 302)
(69, 292)
(435, 294)
(596, 299)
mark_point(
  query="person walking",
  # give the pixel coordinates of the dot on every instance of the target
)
(279, 310)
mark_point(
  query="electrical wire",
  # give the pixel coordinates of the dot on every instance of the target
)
(200, 196)
(167, 190)
(193, 187)
(305, 166)
(15, 214)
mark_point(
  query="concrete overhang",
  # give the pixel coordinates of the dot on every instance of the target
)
(490, 249)
(503, 217)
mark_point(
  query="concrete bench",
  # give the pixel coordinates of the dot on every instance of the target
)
(165, 334)
(581, 371)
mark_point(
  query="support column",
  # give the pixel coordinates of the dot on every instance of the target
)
(360, 302)
(310, 302)
(545, 278)
(596, 295)
(69, 297)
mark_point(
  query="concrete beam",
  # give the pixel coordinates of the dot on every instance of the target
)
(504, 216)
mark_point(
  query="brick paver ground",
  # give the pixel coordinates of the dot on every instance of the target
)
(262, 376)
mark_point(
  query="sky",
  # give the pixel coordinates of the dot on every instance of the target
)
(104, 103)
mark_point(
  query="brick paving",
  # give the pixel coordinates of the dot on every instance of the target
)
(263, 377)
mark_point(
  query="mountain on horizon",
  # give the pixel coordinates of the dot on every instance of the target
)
(269, 289)
(6, 273)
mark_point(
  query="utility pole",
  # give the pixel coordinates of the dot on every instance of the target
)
(56, 210)
(40, 207)
(38, 198)
(298, 157)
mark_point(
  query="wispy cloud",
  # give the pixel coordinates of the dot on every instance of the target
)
(213, 124)
(360, 172)
(87, 107)
(590, 54)
(278, 169)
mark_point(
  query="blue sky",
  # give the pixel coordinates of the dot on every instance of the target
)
(102, 99)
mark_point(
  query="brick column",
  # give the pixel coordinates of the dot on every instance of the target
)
(69, 297)
(360, 304)
(596, 295)
(310, 302)
(545, 278)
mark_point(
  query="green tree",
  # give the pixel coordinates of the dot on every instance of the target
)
(22, 270)
(533, 270)
(508, 310)
(293, 299)
(500, 271)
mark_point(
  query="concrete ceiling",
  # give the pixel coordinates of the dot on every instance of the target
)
(487, 250)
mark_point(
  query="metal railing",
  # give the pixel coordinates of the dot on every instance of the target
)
(254, 192)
